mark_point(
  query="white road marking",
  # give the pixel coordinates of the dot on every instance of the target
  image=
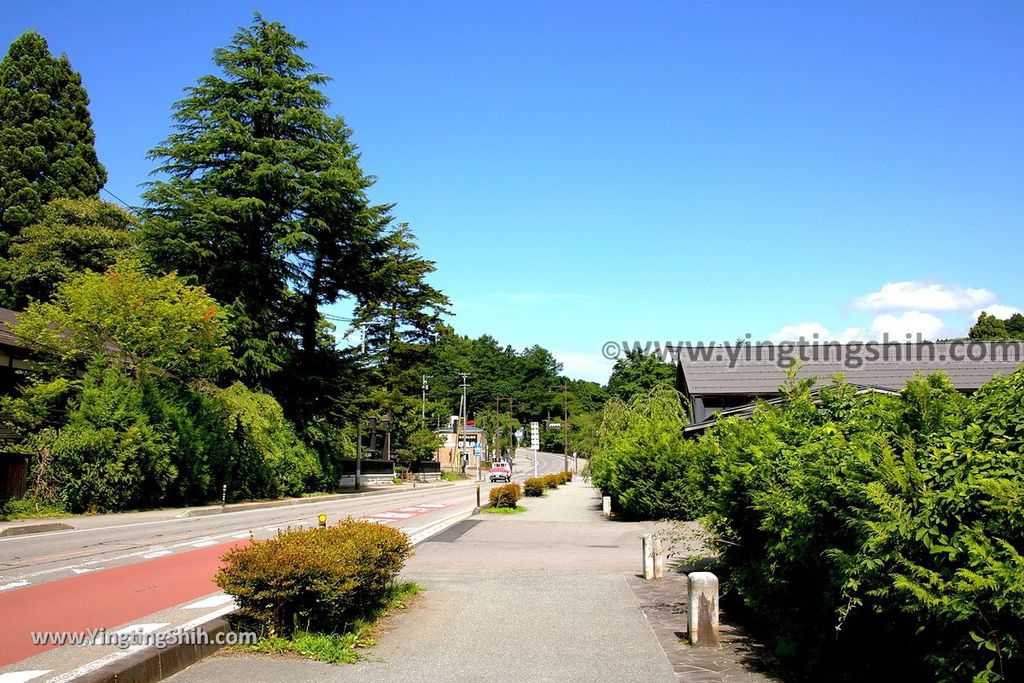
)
(140, 628)
(13, 584)
(199, 621)
(203, 544)
(271, 528)
(148, 554)
(212, 601)
(245, 534)
(81, 571)
(68, 676)
(22, 676)
(392, 515)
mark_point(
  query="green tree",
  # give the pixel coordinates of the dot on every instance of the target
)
(263, 200)
(72, 235)
(401, 315)
(46, 138)
(149, 323)
(636, 373)
(1015, 326)
(988, 328)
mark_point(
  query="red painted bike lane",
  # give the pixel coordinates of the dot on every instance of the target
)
(104, 599)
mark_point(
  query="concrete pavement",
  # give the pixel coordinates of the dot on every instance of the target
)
(539, 596)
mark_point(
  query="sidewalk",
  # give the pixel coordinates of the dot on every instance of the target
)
(544, 595)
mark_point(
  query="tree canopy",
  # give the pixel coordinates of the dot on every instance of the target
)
(47, 143)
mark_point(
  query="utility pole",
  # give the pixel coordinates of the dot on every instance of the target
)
(497, 417)
(565, 421)
(423, 404)
(463, 412)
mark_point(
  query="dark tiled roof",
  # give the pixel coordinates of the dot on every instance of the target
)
(7, 322)
(750, 375)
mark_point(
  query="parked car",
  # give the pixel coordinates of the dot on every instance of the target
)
(500, 472)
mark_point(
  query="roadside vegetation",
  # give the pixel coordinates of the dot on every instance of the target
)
(186, 345)
(505, 499)
(318, 592)
(862, 535)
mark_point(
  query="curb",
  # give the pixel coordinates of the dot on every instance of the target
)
(20, 529)
(152, 664)
(289, 502)
(34, 528)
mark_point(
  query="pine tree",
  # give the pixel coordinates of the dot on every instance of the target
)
(401, 315)
(264, 201)
(47, 146)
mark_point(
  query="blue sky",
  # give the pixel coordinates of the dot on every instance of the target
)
(595, 171)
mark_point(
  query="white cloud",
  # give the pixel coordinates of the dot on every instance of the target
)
(910, 322)
(808, 330)
(998, 310)
(916, 295)
(589, 366)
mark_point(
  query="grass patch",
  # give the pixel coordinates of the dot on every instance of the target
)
(339, 648)
(453, 476)
(505, 511)
(30, 508)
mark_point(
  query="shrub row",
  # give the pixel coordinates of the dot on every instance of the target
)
(316, 579)
(506, 496)
(866, 535)
(535, 486)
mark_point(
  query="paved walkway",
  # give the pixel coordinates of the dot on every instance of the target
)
(544, 595)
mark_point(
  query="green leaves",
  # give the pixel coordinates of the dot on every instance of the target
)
(46, 138)
(152, 323)
(852, 523)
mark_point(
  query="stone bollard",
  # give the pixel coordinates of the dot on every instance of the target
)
(647, 545)
(606, 506)
(659, 559)
(702, 612)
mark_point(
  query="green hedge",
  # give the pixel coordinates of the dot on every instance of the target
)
(316, 579)
(506, 496)
(534, 486)
(865, 536)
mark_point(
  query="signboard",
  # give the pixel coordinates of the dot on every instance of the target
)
(535, 435)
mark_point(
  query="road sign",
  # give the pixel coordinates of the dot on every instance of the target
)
(535, 435)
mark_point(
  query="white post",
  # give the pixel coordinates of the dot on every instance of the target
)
(535, 462)
(659, 559)
(606, 506)
(647, 544)
(702, 609)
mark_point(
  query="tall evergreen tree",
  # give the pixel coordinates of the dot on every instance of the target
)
(47, 144)
(401, 315)
(264, 201)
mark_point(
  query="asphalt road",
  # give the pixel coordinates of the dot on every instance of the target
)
(38, 558)
(109, 575)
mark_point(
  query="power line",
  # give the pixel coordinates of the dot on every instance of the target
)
(123, 202)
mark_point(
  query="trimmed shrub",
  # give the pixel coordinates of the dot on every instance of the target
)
(551, 481)
(506, 496)
(534, 486)
(315, 579)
